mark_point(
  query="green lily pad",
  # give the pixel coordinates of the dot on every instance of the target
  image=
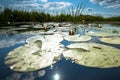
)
(53, 38)
(102, 34)
(33, 39)
(48, 38)
(77, 38)
(97, 55)
(31, 57)
(113, 40)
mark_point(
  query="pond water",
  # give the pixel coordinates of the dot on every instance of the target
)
(62, 70)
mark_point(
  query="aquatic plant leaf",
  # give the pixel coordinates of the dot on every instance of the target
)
(112, 40)
(77, 38)
(31, 57)
(100, 56)
(101, 34)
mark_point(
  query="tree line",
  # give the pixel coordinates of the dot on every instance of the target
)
(9, 15)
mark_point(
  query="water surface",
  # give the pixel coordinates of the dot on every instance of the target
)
(65, 69)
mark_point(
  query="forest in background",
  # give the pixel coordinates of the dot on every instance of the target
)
(9, 15)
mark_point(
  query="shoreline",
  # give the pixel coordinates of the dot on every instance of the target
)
(30, 23)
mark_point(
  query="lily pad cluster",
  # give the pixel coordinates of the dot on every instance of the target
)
(34, 55)
(111, 40)
(101, 34)
(43, 51)
(93, 55)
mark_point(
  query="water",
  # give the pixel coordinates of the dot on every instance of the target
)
(65, 69)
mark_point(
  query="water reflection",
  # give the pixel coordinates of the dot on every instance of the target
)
(66, 70)
(14, 76)
(56, 76)
(26, 76)
(41, 73)
(8, 40)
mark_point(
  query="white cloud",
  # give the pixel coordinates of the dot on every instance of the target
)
(20, 1)
(56, 5)
(107, 3)
(44, 1)
(103, 3)
(34, 6)
(114, 6)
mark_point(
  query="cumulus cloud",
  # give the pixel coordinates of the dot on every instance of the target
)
(19, 1)
(114, 6)
(56, 5)
(30, 5)
(34, 6)
(108, 3)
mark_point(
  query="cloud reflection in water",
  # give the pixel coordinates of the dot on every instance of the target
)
(26, 76)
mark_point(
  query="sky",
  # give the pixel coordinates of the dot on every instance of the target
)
(106, 8)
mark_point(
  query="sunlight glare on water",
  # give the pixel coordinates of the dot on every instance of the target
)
(56, 76)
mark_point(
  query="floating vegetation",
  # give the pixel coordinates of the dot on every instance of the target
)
(33, 39)
(77, 38)
(102, 34)
(31, 57)
(95, 55)
(25, 26)
(112, 40)
(53, 38)
(83, 46)
(33, 32)
(48, 38)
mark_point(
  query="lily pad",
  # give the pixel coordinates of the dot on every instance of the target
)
(97, 55)
(33, 39)
(101, 34)
(83, 46)
(112, 40)
(48, 38)
(77, 38)
(31, 57)
(53, 38)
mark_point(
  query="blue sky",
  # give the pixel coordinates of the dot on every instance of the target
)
(105, 8)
